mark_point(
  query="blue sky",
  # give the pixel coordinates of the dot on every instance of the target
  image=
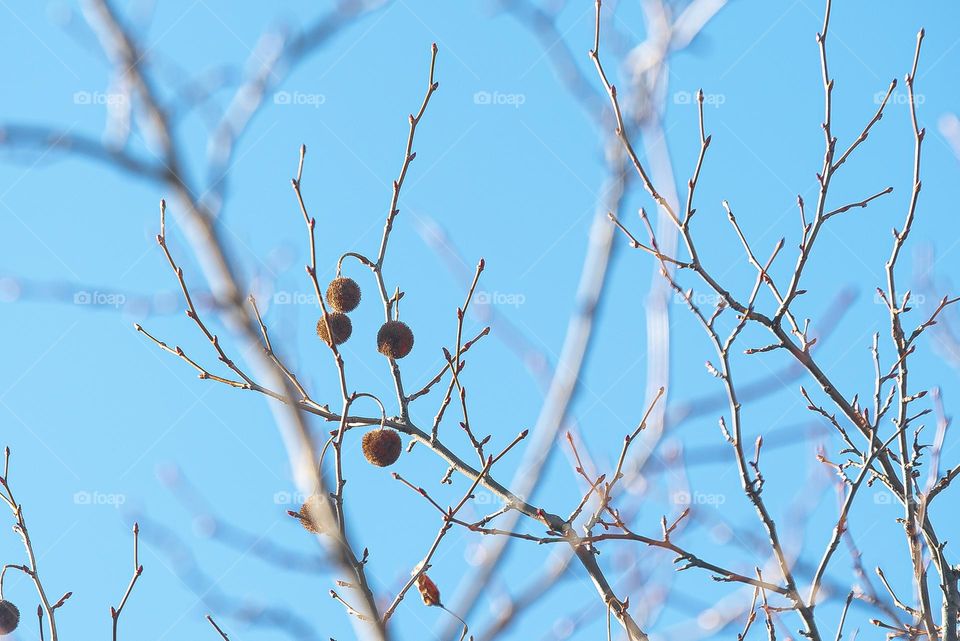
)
(106, 429)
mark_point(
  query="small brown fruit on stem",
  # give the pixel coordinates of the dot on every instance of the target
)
(339, 324)
(9, 617)
(394, 340)
(343, 294)
(382, 447)
(309, 514)
(429, 591)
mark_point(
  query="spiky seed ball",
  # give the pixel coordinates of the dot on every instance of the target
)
(9, 617)
(343, 294)
(339, 323)
(308, 514)
(394, 340)
(429, 591)
(382, 447)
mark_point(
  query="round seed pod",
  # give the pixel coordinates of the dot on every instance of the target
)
(308, 510)
(339, 323)
(9, 617)
(382, 446)
(343, 294)
(394, 340)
